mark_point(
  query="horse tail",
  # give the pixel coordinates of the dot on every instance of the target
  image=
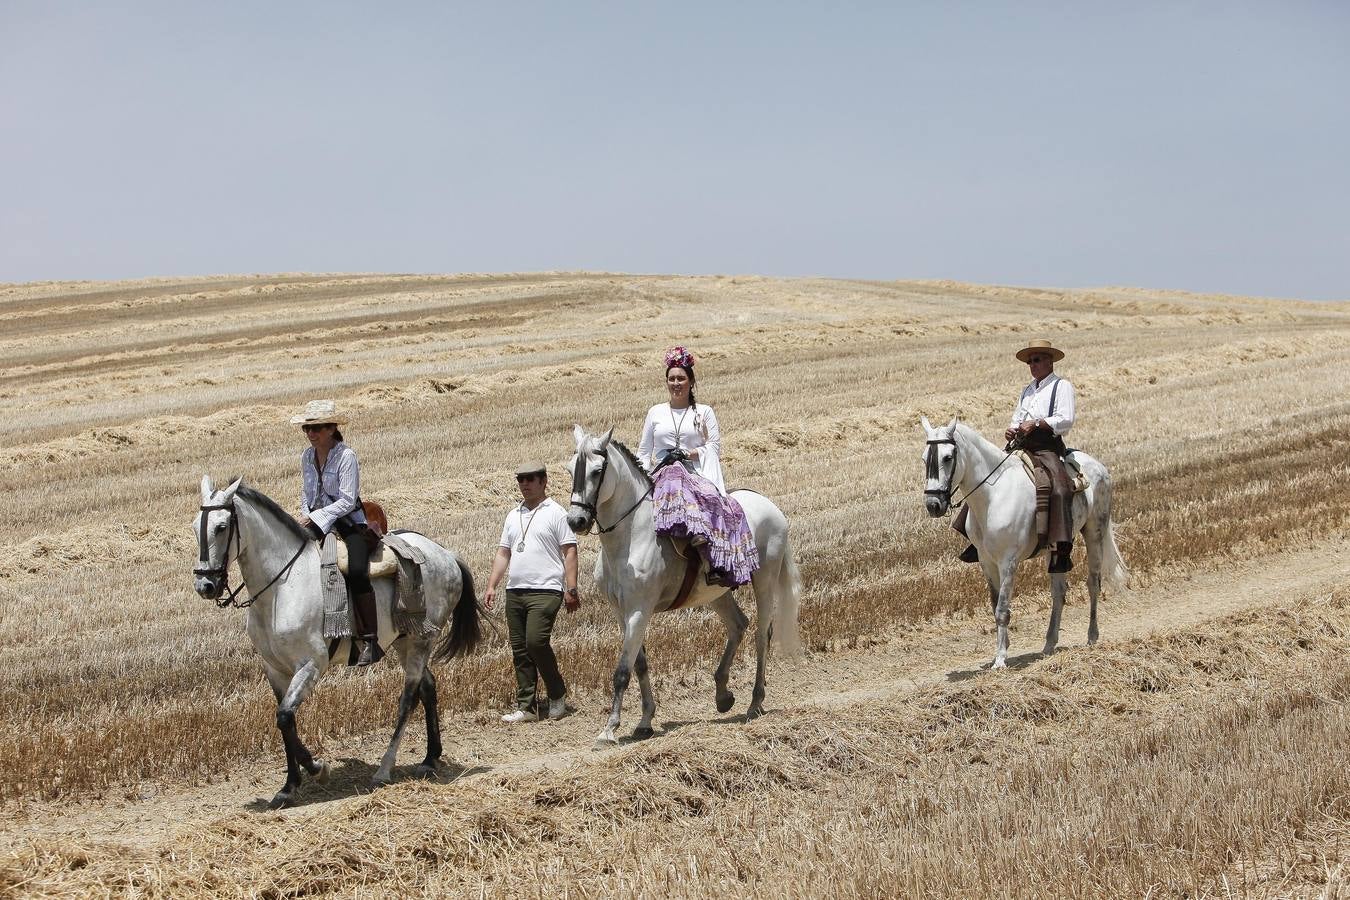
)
(465, 630)
(788, 604)
(1114, 571)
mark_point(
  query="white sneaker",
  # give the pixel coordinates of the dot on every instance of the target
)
(519, 716)
(557, 709)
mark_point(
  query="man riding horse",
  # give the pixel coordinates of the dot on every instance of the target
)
(1044, 414)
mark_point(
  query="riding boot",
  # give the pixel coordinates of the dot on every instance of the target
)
(1059, 560)
(369, 627)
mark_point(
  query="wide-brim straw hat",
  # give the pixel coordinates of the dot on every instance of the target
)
(1040, 346)
(319, 412)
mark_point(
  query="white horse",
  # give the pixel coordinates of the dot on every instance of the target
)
(280, 566)
(1002, 521)
(641, 574)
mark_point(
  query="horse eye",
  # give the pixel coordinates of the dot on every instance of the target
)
(220, 527)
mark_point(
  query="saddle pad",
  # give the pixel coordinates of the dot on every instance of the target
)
(1076, 476)
(410, 606)
(337, 613)
(383, 564)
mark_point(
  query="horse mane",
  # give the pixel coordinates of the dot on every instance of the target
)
(974, 437)
(632, 458)
(258, 498)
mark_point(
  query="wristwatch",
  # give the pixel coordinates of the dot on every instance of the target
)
(571, 592)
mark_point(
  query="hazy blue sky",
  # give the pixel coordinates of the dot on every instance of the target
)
(1203, 146)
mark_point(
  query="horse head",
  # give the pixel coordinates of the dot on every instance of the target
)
(589, 467)
(217, 528)
(940, 465)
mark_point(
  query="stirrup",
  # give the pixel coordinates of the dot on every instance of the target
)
(370, 652)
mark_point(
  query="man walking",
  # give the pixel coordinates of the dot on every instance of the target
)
(538, 555)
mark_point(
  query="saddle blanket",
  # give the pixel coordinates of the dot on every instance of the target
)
(395, 558)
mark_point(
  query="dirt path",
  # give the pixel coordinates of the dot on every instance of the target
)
(480, 747)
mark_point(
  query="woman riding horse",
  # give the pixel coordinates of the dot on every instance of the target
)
(681, 446)
(331, 501)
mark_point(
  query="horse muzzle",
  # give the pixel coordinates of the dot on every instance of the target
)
(209, 587)
(579, 522)
(937, 503)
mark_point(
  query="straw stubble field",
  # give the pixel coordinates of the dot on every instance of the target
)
(1205, 758)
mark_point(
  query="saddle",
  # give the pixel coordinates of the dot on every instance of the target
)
(393, 558)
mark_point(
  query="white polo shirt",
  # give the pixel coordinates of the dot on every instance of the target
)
(539, 567)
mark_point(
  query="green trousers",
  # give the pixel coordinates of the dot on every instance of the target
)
(529, 619)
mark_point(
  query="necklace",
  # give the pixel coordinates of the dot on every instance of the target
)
(525, 526)
(678, 425)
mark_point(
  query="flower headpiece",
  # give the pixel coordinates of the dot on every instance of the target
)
(678, 356)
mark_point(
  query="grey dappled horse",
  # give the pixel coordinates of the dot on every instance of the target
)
(280, 567)
(640, 574)
(1002, 520)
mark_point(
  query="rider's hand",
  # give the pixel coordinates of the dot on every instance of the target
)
(1028, 426)
(1010, 434)
(303, 520)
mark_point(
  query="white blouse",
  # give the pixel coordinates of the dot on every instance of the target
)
(688, 428)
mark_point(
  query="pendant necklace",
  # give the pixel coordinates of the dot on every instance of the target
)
(678, 425)
(525, 526)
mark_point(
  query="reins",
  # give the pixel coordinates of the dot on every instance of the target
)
(223, 570)
(1013, 446)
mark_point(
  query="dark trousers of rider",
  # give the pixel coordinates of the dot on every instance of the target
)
(358, 575)
(529, 620)
(1061, 497)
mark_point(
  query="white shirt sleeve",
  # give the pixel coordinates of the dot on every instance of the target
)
(647, 441)
(712, 432)
(505, 539)
(1065, 399)
(561, 531)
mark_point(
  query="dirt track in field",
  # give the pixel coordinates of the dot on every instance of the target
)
(920, 656)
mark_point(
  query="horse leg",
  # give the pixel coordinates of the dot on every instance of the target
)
(736, 623)
(635, 635)
(1003, 612)
(765, 602)
(298, 757)
(428, 692)
(1059, 586)
(644, 728)
(414, 667)
(1095, 537)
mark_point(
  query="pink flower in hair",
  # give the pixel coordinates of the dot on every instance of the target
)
(678, 356)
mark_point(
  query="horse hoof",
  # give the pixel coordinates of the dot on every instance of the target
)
(379, 781)
(641, 734)
(754, 712)
(999, 664)
(604, 744)
(320, 775)
(1048, 650)
(726, 703)
(425, 770)
(282, 800)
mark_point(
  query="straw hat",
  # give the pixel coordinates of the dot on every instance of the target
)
(1040, 346)
(319, 412)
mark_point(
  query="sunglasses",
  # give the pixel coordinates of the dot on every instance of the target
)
(1036, 359)
(309, 428)
(521, 479)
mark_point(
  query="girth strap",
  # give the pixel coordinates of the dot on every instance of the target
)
(691, 567)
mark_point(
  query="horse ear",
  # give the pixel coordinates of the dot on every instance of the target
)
(604, 441)
(952, 424)
(228, 494)
(578, 434)
(925, 425)
(207, 489)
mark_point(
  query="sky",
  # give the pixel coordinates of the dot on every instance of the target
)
(1195, 146)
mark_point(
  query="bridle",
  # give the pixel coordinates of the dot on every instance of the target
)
(579, 476)
(205, 569)
(945, 494)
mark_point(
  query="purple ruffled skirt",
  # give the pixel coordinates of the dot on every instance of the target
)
(689, 506)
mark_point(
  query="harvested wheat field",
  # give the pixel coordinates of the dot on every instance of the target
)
(1197, 750)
